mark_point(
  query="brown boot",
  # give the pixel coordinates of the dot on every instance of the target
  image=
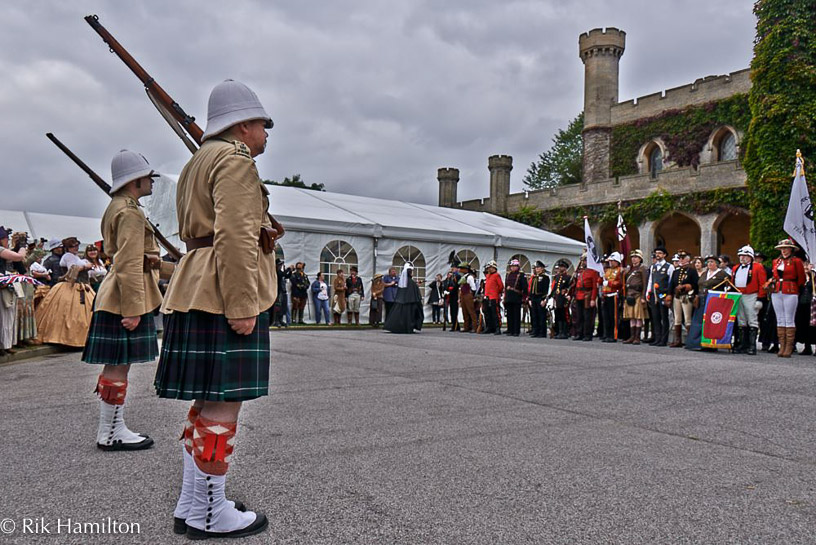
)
(631, 338)
(356, 318)
(790, 341)
(783, 342)
(636, 336)
(678, 337)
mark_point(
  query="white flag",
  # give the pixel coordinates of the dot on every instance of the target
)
(799, 219)
(593, 259)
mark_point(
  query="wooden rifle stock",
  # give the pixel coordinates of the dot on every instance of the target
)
(159, 95)
(104, 186)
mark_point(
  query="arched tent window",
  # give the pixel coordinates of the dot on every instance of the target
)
(727, 148)
(655, 161)
(526, 268)
(412, 254)
(337, 254)
(468, 256)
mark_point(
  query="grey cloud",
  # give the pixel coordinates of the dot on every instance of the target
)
(369, 97)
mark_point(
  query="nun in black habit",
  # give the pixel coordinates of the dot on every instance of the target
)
(407, 313)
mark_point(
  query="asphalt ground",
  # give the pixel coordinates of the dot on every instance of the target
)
(439, 437)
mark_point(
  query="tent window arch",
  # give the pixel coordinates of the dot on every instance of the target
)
(417, 259)
(337, 254)
(468, 256)
(525, 267)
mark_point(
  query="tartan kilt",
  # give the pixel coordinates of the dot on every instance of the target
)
(109, 343)
(202, 358)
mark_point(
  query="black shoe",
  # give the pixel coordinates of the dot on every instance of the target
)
(145, 443)
(497, 332)
(577, 338)
(587, 339)
(260, 524)
(806, 352)
(180, 525)
(774, 349)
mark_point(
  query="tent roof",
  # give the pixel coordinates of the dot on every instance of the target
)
(316, 211)
(87, 230)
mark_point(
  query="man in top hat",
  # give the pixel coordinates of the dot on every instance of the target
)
(122, 330)
(538, 289)
(216, 340)
(493, 295)
(611, 290)
(586, 297)
(515, 292)
(750, 278)
(467, 290)
(559, 292)
(683, 286)
(451, 287)
(658, 295)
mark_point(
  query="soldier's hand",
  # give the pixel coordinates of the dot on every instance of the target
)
(131, 323)
(243, 326)
(592, 303)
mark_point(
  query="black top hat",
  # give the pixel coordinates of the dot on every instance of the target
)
(661, 249)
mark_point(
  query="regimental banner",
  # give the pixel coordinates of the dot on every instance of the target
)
(719, 317)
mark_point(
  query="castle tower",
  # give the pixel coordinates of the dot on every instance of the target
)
(499, 167)
(600, 50)
(448, 180)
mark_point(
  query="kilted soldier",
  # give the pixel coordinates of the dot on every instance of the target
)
(122, 329)
(559, 292)
(610, 297)
(634, 305)
(750, 278)
(658, 294)
(684, 287)
(586, 297)
(216, 339)
(538, 289)
(515, 292)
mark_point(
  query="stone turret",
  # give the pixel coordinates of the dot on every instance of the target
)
(600, 50)
(448, 180)
(499, 167)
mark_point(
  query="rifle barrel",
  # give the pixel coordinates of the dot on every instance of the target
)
(186, 121)
(104, 186)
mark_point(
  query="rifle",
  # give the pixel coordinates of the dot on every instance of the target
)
(104, 186)
(170, 110)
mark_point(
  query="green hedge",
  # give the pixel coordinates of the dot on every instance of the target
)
(685, 133)
(783, 111)
(651, 208)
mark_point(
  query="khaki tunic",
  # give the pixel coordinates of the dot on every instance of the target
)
(127, 290)
(220, 194)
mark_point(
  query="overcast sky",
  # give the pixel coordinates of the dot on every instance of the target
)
(369, 97)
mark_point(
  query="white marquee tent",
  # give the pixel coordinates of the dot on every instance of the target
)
(331, 230)
(48, 226)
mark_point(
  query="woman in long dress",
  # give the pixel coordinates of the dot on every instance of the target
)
(64, 316)
(407, 313)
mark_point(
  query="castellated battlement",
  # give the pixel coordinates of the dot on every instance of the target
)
(702, 91)
(602, 41)
(500, 162)
(448, 173)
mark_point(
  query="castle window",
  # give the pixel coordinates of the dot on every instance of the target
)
(728, 147)
(655, 161)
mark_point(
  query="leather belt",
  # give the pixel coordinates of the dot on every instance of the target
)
(200, 242)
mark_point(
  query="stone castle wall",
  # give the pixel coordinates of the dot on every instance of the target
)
(702, 91)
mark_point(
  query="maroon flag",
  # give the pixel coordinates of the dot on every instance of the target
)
(623, 239)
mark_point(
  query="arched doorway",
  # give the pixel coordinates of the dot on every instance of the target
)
(610, 242)
(733, 232)
(572, 231)
(678, 232)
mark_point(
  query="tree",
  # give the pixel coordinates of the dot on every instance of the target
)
(561, 164)
(295, 181)
(783, 111)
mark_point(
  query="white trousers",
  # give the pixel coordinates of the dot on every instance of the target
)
(785, 308)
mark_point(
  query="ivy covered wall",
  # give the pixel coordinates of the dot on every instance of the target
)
(685, 133)
(652, 208)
